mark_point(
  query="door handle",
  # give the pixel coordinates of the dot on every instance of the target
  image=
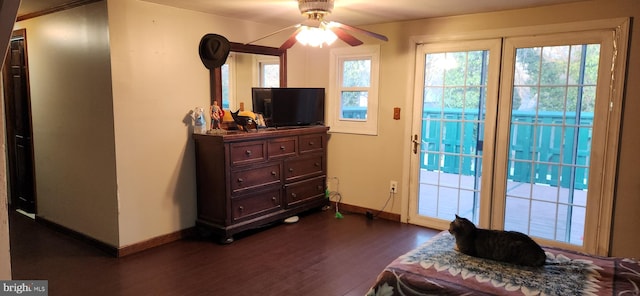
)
(415, 144)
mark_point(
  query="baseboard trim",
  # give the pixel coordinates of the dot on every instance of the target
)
(122, 251)
(181, 234)
(155, 242)
(360, 210)
(109, 249)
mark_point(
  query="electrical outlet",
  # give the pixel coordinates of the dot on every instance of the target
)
(393, 187)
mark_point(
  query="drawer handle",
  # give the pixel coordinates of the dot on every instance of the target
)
(248, 152)
(317, 164)
(290, 169)
(320, 188)
(274, 199)
(273, 173)
(294, 195)
(241, 208)
(240, 180)
(282, 148)
(311, 143)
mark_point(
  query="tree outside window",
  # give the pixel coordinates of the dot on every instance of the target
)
(356, 81)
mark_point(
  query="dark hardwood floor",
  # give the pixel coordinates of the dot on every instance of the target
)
(319, 255)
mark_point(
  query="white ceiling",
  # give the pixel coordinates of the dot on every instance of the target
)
(352, 12)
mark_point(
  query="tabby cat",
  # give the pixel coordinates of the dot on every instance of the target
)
(505, 246)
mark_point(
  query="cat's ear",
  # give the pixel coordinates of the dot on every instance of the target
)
(457, 217)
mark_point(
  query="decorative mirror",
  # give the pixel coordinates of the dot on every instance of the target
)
(242, 53)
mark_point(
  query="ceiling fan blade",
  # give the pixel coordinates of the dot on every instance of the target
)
(291, 40)
(273, 33)
(350, 28)
(346, 37)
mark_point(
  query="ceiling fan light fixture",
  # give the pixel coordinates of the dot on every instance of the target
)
(316, 32)
(315, 36)
(315, 6)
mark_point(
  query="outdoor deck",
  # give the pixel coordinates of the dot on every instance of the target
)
(539, 210)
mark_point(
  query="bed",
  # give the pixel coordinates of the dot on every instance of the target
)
(435, 268)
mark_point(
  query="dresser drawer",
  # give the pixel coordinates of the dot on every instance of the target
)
(256, 204)
(248, 152)
(305, 190)
(312, 143)
(303, 167)
(282, 147)
(254, 177)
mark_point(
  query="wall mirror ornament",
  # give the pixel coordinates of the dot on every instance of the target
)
(240, 75)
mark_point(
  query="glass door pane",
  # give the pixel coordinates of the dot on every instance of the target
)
(453, 113)
(550, 139)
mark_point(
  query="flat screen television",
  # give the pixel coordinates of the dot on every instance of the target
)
(290, 106)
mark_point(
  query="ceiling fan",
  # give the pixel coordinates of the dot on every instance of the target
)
(315, 31)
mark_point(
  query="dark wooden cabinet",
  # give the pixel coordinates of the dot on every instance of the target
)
(249, 179)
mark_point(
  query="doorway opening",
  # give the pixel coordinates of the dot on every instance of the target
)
(17, 105)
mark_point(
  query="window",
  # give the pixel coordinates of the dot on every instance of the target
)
(228, 74)
(353, 93)
(269, 73)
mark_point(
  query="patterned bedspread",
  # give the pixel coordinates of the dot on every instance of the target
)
(435, 268)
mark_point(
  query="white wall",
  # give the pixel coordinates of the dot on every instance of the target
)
(72, 115)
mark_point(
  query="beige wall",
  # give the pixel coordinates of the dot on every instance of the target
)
(72, 119)
(84, 135)
(365, 164)
(158, 79)
(244, 64)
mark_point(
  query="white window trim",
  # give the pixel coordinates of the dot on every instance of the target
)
(363, 127)
(258, 69)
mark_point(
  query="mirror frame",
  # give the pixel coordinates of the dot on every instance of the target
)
(216, 74)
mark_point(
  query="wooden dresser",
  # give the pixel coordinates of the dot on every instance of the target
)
(248, 179)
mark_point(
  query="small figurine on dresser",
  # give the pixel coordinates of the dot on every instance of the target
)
(216, 115)
(199, 122)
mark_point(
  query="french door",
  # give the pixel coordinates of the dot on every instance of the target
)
(513, 133)
(454, 131)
